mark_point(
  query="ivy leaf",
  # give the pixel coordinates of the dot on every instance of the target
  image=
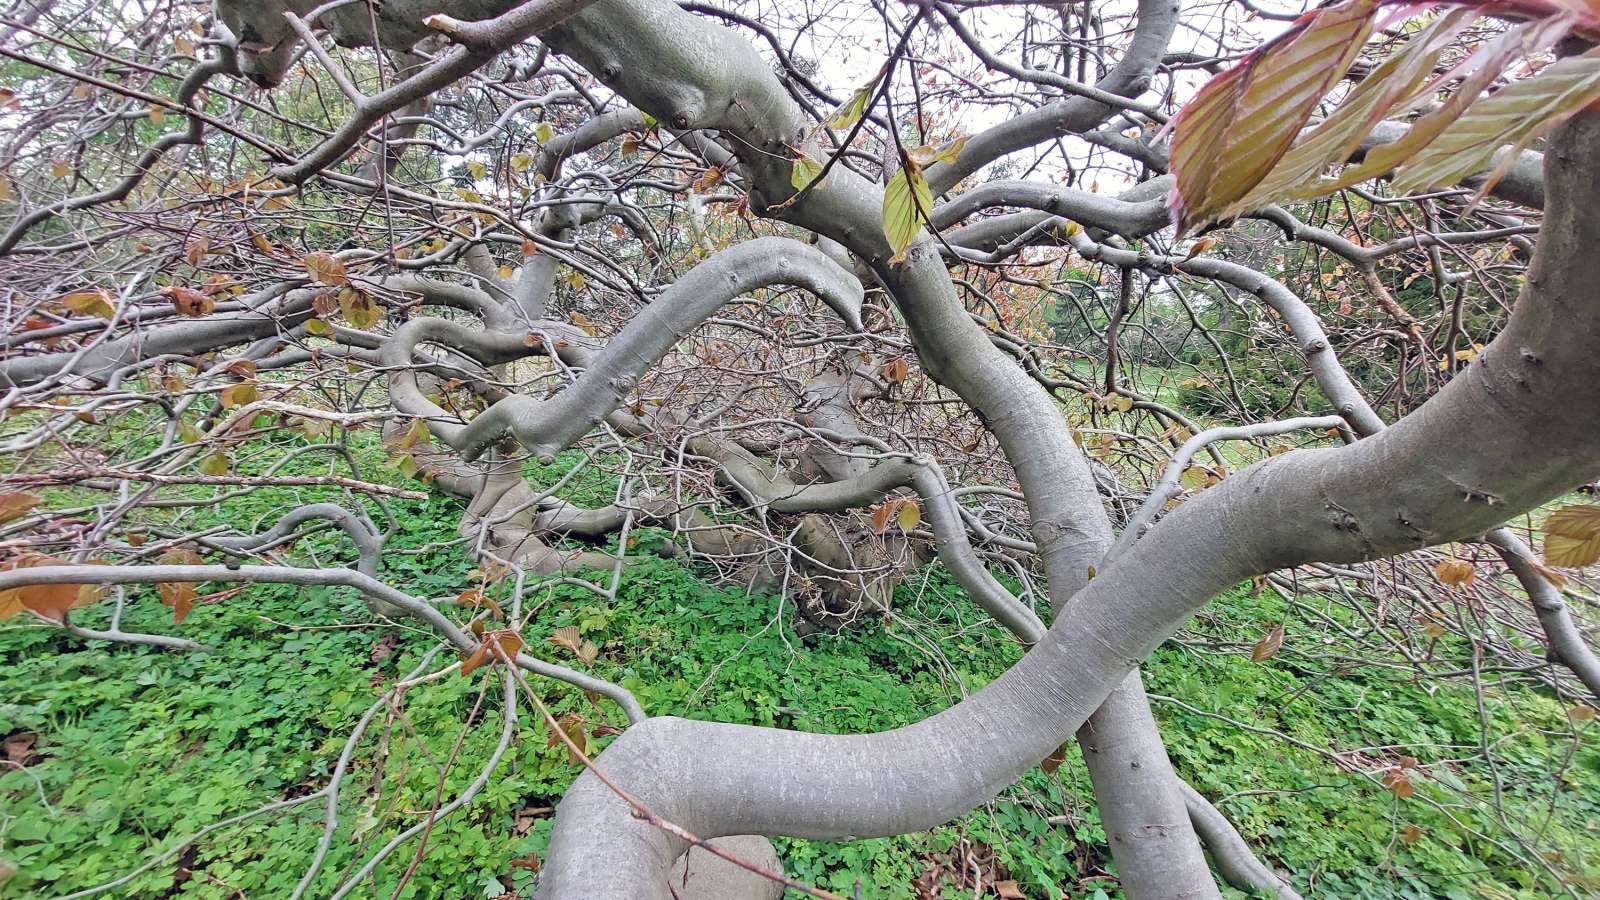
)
(906, 201)
(1572, 536)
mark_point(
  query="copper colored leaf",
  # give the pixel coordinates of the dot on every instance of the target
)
(1268, 646)
(588, 653)
(1572, 536)
(1455, 572)
(896, 370)
(1411, 834)
(1397, 781)
(16, 505)
(470, 664)
(1054, 760)
(1228, 138)
(708, 180)
(567, 637)
(189, 302)
(180, 595)
(881, 516)
(326, 268)
(510, 643)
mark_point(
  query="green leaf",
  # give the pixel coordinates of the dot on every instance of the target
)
(1517, 114)
(906, 200)
(851, 111)
(804, 172)
(215, 464)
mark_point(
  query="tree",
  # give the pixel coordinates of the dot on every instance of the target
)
(887, 396)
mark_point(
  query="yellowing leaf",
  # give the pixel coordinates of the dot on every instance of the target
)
(521, 162)
(476, 169)
(1572, 536)
(215, 465)
(906, 203)
(158, 114)
(909, 516)
(89, 303)
(239, 394)
(544, 133)
(359, 309)
(417, 434)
